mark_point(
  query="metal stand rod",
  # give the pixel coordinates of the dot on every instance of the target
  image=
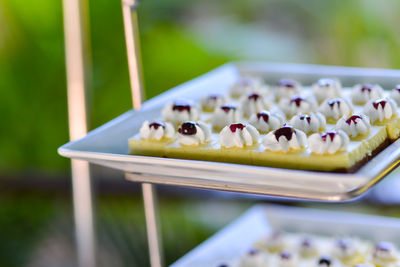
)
(75, 33)
(134, 65)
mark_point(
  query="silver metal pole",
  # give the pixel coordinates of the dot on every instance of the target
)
(134, 65)
(74, 30)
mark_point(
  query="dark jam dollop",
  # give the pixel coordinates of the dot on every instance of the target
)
(287, 83)
(214, 97)
(379, 102)
(325, 82)
(181, 106)
(353, 119)
(227, 108)
(306, 242)
(285, 255)
(297, 100)
(253, 96)
(332, 102)
(343, 244)
(264, 115)
(156, 125)
(324, 261)
(253, 251)
(305, 117)
(366, 88)
(285, 131)
(188, 128)
(331, 135)
(235, 126)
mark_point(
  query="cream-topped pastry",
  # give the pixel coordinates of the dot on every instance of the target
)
(266, 121)
(287, 259)
(384, 253)
(245, 85)
(156, 130)
(335, 108)
(193, 133)
(328, 143)
(273, 242)
(309, 123)
(395, 94)
(179, 111)
(327, 88)
(225, 115)
(238, 135)
(254, 258)
(286, 88)
(362, 93)
(211, 102)
(285, 139)
(307, 247)
(354, 125)
(380, 110)
(298, 104)
(253, 103)
(344, 248)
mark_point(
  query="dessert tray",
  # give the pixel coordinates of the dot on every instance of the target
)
(108, 144)
(234, 245)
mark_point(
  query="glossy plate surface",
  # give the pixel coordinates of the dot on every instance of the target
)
(108, 144)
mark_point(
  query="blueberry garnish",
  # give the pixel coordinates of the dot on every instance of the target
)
(188, 128)
(286, 131)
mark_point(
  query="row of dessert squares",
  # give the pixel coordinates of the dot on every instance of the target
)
(280, 249)
(324, 88)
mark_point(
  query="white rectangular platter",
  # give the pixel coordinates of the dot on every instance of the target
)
(237, 238)
(108, 144)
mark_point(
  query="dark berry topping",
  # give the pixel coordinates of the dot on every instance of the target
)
(227, 108)
(214, 97)
(331, 135)
(379, 102)
(181, 106)
(253, 96)
(325, 82)
(156, 124)
(306, 242)
(286, 131)
(332, 102)
(263, 115)
(324, 261)
(343, 244)
(287, 83)
(285, 255)
(353, 119)
(384, 246)
(223, 265)
(253, 251)
(366, 87)
(235, 126)
(297, 100)
(188, 128)
(305, 117)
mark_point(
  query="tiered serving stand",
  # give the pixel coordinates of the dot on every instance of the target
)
(108, 146)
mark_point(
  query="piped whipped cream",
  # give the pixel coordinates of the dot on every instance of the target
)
(213, 101)
(180, 111)
(362, 93)
(238, 135)
(395, 94)
(345, 247)
(193, 133)
(244, 86)
(311, 123)
(380, 109)
(254, 258)
(156, 130)
(354, 125)
(253, 103)
(286, 88)
(266, 121)
(287, 259)
(326, 88)
(384, 252)
(307, 247)
(298, 104)
(329, 142)
(285, 139)
(225, 115)
(336, 108)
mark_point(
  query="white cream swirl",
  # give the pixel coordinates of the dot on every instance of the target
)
(156, 130)
(254, 258)
(266, 121)
(362, 93)
(286, 88)
(238, 135)
(212, 101)
(354, 125)
(380, 109)
(345, 247)
(329, 142)
(285, 139)
(253, 103)
(336, 108)
(193, 133)
(395, 94)
(297, 104)
(383, 252)
(245, 85)
(180, 111)
(225, 115)
(326, 88)
(312, 123)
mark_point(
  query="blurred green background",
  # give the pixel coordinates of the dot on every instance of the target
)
(180, 40)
